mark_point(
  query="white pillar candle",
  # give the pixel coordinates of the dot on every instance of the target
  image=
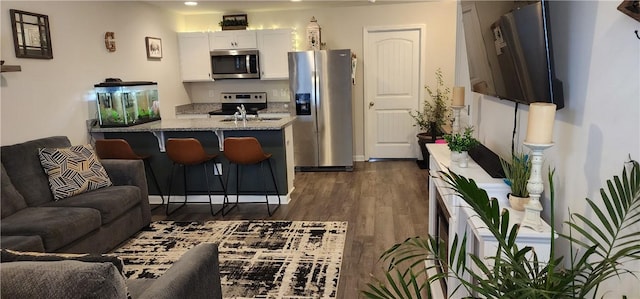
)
(540, 125)
(458, 96)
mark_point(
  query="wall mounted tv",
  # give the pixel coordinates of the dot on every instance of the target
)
(509, 50)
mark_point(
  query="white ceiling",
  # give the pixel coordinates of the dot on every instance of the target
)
(248, 6)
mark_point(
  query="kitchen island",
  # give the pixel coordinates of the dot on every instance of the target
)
(274, 134)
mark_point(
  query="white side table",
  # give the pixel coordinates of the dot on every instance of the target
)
(450, 215)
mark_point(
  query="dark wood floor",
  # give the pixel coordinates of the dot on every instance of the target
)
(384, 203)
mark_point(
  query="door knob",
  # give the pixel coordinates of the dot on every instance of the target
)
(371, 104)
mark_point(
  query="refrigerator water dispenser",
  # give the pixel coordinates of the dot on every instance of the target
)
(303, 104)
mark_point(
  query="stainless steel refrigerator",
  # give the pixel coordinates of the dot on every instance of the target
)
(320, 84)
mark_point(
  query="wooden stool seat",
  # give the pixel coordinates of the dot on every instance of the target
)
(189, 152)
(117, 149)
(244, 150)
(248, 151)
(120, 149)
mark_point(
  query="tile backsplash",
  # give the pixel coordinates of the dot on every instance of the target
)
(209, 92)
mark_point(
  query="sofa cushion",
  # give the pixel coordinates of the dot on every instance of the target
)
(111, 201)
(7, 255)
(137, 287)
(57, 226)
(61, 279)
(73, 170)
(22, 243)
(12, 200)
(22, 164)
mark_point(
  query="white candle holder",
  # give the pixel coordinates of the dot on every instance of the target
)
(535, 187)
(455, 127)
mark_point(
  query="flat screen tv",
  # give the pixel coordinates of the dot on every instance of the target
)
(509, 50)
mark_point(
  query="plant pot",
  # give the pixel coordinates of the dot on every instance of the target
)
(463, 159)
(235, 27)
(518, 203)
(423, 139)
(455, 156)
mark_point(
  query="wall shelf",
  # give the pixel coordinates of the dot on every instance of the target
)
(10, 68)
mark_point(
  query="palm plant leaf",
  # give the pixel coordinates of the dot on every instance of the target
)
(599, 245)
(615, 242)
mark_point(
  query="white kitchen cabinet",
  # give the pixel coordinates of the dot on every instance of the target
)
(195, 61)
(232, 39)
(273, 45)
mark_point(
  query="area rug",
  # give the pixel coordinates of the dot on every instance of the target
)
(258, 259)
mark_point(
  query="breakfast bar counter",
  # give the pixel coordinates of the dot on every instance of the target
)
(221, 123)
(274, 134)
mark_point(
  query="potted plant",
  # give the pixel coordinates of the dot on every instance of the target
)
(601, 248)
(434, 114)
(234, 22)
(460, 144)
(517, 173)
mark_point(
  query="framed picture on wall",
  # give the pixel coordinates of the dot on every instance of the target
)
(31, 35)
(154, 47)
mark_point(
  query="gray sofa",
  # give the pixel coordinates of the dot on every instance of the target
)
(194, 275)
(91, 222)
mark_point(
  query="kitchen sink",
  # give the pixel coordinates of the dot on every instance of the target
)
(252, 119)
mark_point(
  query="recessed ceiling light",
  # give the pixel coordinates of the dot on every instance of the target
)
(191, 3)
(296, 0)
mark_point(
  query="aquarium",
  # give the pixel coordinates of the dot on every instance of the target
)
(123, 104)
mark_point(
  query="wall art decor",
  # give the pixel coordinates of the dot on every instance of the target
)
(110, 41)
(154, 47)
(630, 8)
(31, 35)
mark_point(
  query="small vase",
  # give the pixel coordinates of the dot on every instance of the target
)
(463, 159)
(518, 203)
(455, 156)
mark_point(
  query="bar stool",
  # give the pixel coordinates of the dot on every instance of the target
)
(189, 152)
(120, 149)
(248, 151)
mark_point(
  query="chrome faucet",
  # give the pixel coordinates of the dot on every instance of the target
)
(243, 112)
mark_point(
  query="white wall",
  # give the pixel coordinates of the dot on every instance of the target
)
(597, 56)
(55, 97)
(342, 29)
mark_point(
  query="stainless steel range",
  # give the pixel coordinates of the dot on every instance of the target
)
(252, 101)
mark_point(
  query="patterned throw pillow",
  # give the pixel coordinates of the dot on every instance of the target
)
(73, 170)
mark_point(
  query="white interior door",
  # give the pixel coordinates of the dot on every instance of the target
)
(392, 66)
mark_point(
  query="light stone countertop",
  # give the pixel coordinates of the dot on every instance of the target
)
(214, 123)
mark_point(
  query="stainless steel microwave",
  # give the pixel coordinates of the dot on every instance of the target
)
(235, 64)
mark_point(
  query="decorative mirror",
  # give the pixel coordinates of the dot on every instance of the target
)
(31, 36)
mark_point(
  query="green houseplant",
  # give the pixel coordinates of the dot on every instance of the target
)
(435, 112)
(599, 247)
(517, 172)
(233, 23)
(460, 144)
